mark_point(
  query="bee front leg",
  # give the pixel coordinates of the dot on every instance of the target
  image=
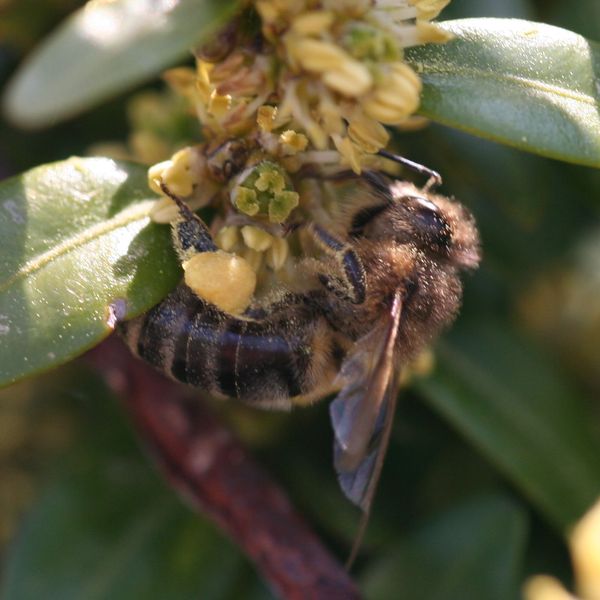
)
(190, 233)
(352, 283)
(220, 278)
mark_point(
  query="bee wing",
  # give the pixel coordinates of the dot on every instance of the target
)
(361, 414)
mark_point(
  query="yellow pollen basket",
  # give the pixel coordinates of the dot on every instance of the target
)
(223, 279)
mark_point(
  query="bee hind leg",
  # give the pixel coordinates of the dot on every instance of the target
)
(352, 283)
(190, 233)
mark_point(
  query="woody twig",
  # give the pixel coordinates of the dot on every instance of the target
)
(212, 471)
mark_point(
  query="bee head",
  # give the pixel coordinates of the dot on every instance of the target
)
(440, 227)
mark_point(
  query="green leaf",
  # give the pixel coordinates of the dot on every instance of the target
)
(106, 48)
(510, 401)
(525, 84)
(474, 550)
(107, 527)
(78, 249)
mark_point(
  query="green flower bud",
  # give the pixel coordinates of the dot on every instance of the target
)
(366, 42)
(265, 190)
(282, 205)
(246, 200)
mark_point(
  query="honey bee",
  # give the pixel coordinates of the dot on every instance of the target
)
(386, 283)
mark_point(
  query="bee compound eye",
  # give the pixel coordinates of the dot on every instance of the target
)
(426, 205)
(429, 222)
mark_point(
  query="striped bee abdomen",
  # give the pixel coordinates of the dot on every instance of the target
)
(265, 361)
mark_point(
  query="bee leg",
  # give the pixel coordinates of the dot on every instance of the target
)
(190, 233)
(352, 285)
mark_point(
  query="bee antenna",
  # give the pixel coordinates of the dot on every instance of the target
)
(184, 209)
(435, 179)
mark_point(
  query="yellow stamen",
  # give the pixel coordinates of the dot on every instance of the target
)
(313, 22)
(348, 151)
(227, 238)
(265, 117)
(317, 55)
(351, 78)
(253, 258)
(218, 104)
(429, 9)
(368, 133)
(256, 238)
(293, 142)
(429, 33)
(277, 254)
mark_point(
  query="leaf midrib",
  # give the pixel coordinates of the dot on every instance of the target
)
(436, 69)
(122, 219)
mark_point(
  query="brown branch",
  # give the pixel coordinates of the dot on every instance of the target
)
(217, 476)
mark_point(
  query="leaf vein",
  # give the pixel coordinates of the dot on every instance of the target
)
(520, 80)
(122, 219)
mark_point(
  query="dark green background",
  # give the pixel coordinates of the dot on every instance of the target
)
(491, 458)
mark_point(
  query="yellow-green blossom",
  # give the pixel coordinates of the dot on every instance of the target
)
(264, 190)
(314, 86)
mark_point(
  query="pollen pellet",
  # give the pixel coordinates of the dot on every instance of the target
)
(223, 279)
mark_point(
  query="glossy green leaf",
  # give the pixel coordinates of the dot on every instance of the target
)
(507, 398)
(525, 84)
(106, 48)
(78, 250)
(106, 527)
(474, 550)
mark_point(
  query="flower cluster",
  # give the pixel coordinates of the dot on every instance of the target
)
(290, 85)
